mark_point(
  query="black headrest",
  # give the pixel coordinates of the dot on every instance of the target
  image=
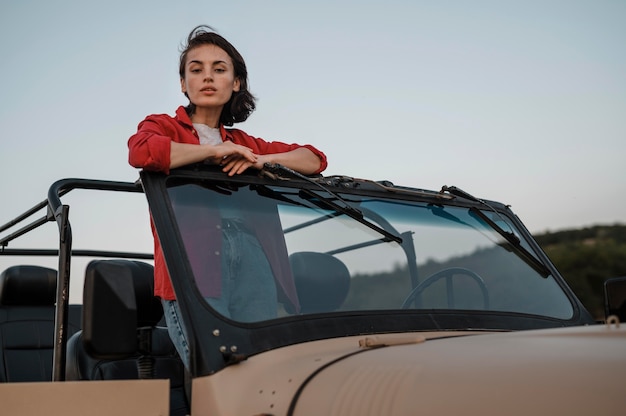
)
(28, 286)
(118, 299)
(139, 274)
(322, 281)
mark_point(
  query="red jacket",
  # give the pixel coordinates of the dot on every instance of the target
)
(149, 149)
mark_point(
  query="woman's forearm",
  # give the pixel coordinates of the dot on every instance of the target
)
(301, 160)
(182, 154)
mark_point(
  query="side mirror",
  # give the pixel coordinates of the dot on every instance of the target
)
(615, 297)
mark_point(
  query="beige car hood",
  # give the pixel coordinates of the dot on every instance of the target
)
(572, 371)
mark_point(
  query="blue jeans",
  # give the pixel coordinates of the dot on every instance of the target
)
(176, 329)
(248, 288)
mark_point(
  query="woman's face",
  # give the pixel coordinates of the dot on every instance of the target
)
(209, 77)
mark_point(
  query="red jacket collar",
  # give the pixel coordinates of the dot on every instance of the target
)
(183, 118)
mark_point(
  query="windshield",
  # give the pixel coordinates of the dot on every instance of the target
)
(265, 252)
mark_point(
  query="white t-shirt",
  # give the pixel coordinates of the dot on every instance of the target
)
(208, 135)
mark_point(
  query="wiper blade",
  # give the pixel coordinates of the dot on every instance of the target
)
(344, 208)
(509, 236)
(351, 212)
(461, 193)
(514, 242)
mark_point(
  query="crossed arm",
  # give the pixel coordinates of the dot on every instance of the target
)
(235, 159)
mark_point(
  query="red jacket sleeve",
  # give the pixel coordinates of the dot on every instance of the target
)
(149, 148)
(262, 147)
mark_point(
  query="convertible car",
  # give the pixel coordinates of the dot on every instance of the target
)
(367, 298)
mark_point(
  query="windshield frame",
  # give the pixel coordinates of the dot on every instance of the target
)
(216, 342)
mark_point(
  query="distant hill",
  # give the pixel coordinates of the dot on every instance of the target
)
(586, 257)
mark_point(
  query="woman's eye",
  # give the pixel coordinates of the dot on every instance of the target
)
(194, 71)
(220, 70)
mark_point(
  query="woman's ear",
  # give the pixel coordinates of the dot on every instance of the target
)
(236, 85)
(183, 87)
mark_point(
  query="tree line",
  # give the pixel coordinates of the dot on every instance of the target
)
(586, 258)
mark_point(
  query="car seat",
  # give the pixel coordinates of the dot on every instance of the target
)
(27, 315)
(120, 339)
(322, 281)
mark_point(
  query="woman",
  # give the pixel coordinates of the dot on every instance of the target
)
(213, 76)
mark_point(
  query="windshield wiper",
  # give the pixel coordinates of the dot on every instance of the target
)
(513, 240)
(325, 202)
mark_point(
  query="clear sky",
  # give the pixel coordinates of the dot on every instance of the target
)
(523, 102)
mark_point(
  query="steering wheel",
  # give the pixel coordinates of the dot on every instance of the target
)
(447, 274)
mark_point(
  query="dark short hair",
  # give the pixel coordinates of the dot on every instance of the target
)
(242, 102)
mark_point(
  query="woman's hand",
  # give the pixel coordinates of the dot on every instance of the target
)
(182, 154)
(234, 158)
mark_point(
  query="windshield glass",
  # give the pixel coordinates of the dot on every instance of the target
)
(263, 252)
